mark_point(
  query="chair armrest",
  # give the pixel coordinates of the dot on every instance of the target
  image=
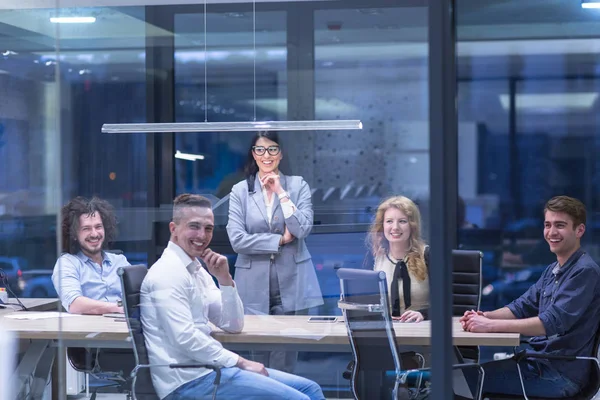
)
(455, 366)
(346, 305)
(184, 365)
(217, 370)
(523, 354)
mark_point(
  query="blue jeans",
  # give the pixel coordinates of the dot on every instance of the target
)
(239, 384)
(539, 378)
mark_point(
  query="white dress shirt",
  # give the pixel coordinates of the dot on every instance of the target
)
(178, 299)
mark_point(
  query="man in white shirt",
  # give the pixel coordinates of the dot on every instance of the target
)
(179, 298)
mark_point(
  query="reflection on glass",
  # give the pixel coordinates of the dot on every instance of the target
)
(98, 75)
(528, 108)
(230, 91)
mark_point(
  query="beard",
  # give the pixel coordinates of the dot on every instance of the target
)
(92, 249)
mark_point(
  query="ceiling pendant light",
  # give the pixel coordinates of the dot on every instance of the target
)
(233, 126)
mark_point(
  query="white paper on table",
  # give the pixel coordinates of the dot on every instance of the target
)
(38, 315)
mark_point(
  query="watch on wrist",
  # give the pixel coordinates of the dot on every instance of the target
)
(283, 195)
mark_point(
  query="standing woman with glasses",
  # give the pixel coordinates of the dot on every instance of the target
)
(270, 215)
(396, 245)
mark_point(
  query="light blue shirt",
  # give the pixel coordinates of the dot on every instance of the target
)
(77, 275)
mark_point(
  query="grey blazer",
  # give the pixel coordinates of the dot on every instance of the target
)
(255, 240)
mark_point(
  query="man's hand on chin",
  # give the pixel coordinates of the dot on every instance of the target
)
(217, 266)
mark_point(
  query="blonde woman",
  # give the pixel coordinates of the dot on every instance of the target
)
(396, 245)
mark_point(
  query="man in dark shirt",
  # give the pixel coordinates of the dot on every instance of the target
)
(561, 312)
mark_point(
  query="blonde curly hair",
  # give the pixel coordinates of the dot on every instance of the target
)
(380, 246)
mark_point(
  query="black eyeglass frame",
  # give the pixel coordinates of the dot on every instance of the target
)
(258, 152)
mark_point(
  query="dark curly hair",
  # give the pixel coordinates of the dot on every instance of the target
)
(82, 206)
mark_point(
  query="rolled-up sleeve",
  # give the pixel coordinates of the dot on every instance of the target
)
(172, 303)
(288, 208)
(528, 305)
(65, 278)
(570, 302)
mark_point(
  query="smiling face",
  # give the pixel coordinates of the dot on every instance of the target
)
(396, 228)
(266, 163)
(193, 230)
(90, 234)
(561, 235)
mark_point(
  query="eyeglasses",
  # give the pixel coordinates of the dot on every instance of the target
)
(260, 150)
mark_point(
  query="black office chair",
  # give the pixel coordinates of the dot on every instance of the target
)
(378, 371)
(142, 387)
(116, 371)
(489, 241)
(87, 361)
(466, 290)
(588, 392)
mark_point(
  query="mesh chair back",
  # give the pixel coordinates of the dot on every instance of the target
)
(132, 277)
(364, 302)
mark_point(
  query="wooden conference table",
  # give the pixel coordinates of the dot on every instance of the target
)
(260, 333)
(291, 332)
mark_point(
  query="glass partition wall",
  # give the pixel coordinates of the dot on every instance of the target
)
(526, 103)
(69, 69)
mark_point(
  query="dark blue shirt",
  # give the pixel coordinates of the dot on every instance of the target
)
(567, 301)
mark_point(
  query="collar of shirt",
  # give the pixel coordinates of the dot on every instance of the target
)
(557, 270)
(85, 259)
(393, 260)
(192, 265)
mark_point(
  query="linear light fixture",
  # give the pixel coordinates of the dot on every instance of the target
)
(551, 101)
(188, 156)
(249, 126)
(73, 20)
(590, 4)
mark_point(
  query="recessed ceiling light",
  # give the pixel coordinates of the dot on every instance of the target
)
(590, 4)
(551, 101)
(235, 15)
(370, 11)
(73, 20)
(188, 156)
